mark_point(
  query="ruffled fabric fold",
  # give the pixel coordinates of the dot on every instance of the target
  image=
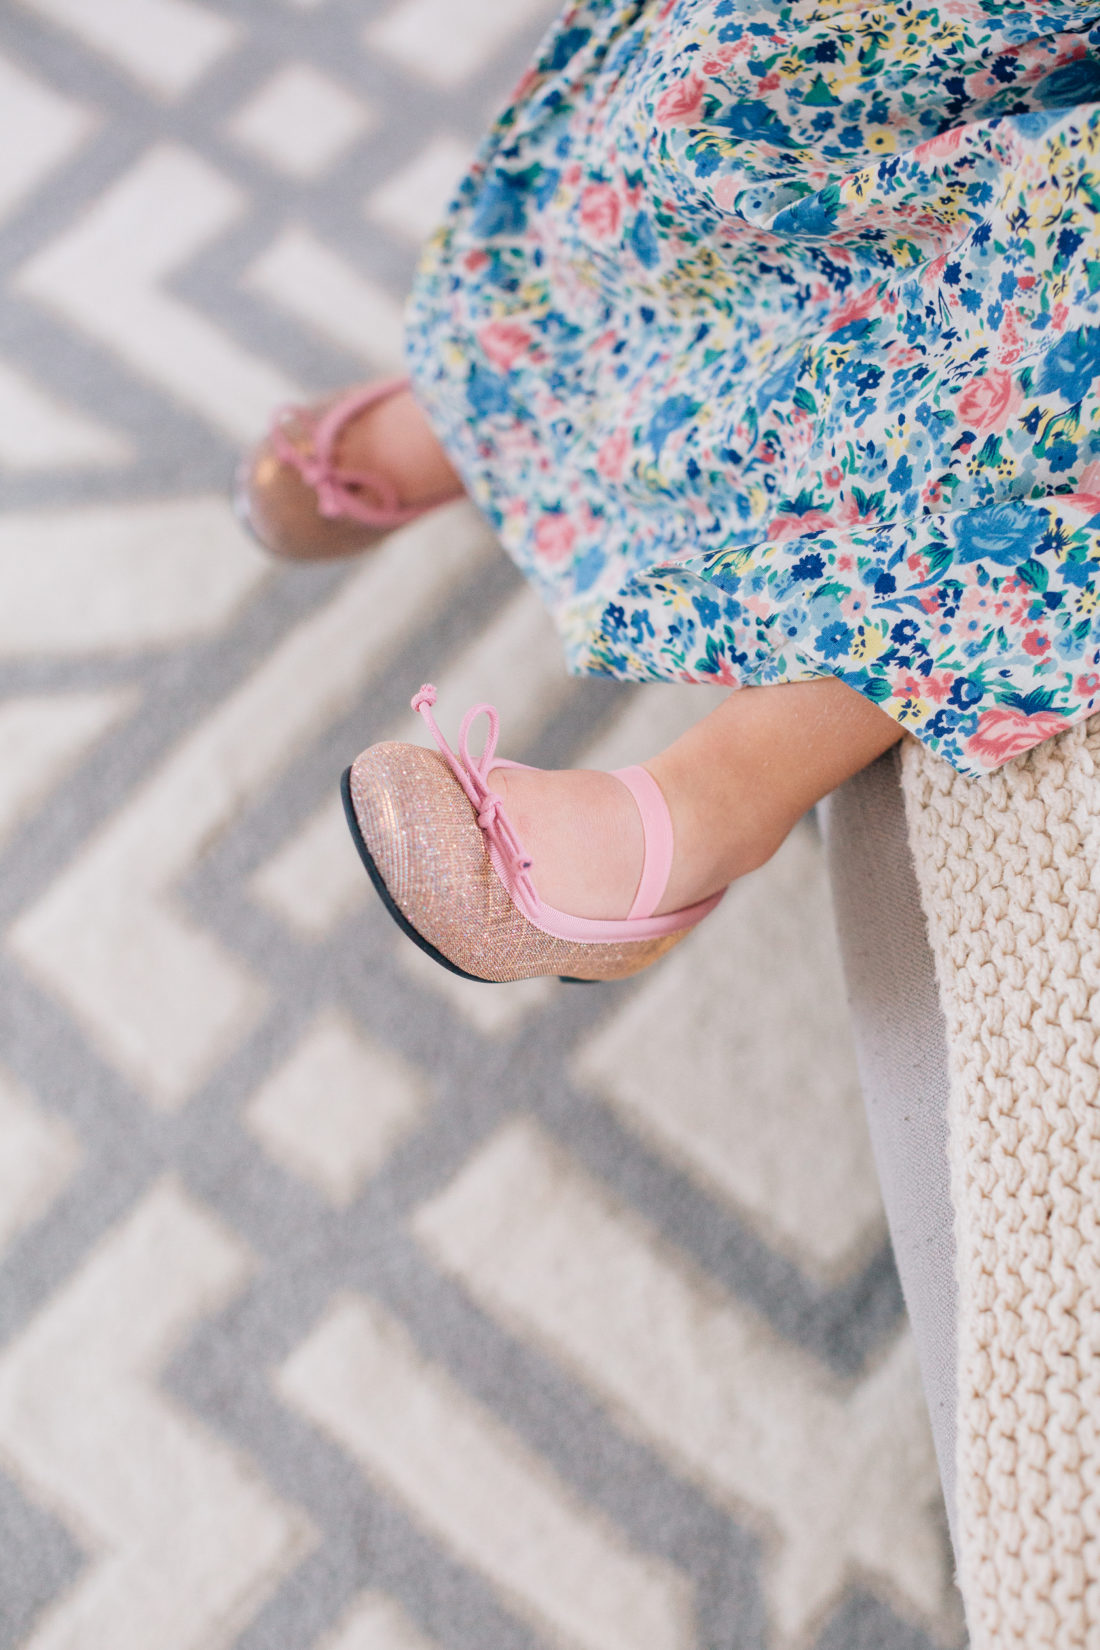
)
(767, 336)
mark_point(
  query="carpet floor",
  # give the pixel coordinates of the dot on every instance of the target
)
(346, 1305)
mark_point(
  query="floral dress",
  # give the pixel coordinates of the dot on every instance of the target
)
(767, 336)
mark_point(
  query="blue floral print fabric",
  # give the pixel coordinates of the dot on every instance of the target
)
(768, 338)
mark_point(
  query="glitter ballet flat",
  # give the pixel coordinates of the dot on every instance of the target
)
(296, 501)
(452, 873)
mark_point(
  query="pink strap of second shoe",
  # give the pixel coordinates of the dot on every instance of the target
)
(657, 838)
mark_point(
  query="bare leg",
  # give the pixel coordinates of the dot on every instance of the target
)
(735, 784)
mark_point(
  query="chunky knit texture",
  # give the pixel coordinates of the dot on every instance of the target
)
(1009, 871)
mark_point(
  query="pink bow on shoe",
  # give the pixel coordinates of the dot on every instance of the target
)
(339, 492)
(473, 775)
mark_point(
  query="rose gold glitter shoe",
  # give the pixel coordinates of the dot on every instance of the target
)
(295, 499)
(452, 873)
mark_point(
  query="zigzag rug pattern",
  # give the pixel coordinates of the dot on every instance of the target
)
(346, 1305)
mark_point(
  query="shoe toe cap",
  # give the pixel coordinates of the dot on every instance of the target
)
(420, 829)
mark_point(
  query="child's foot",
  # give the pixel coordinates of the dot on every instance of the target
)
(592, 875)
(736, 783)
(334, 478)
(583, 832)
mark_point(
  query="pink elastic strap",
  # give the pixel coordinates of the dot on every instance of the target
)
(657, 837)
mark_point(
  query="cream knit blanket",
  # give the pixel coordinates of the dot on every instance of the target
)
(1009, 872)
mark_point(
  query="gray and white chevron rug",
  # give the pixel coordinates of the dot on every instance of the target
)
(346, 1305)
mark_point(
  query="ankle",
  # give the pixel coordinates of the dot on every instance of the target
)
(725, 824)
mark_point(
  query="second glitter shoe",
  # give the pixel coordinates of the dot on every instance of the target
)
(452, 873)
(295, 498)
